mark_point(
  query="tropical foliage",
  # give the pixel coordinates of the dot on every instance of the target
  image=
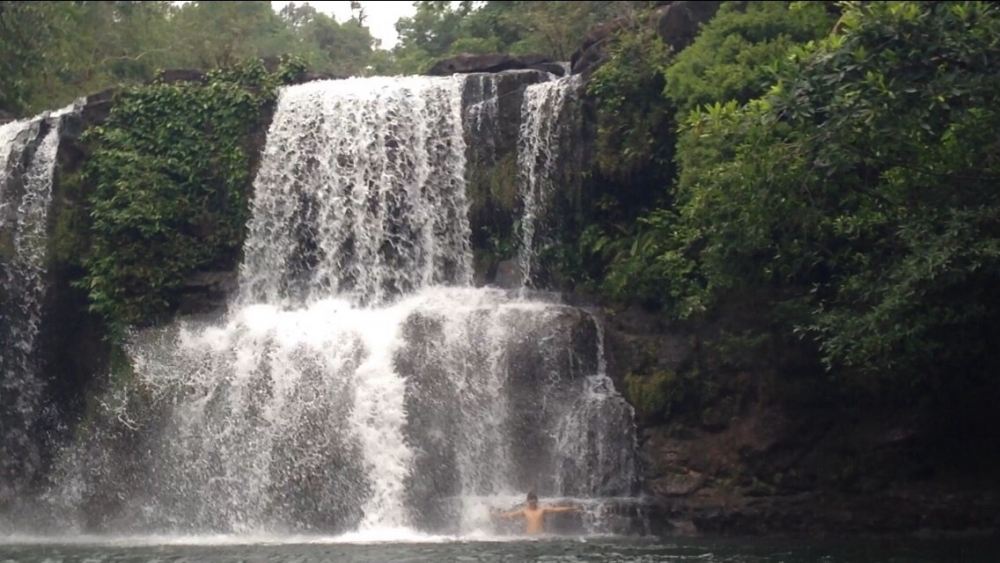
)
(170, 170)
(857, 195)
(554, 29)
(53, 52)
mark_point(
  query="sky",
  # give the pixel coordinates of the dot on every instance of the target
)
(380, 16)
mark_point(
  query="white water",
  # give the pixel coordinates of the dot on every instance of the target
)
(483, 113)
(25, 196)
(361, 191)
(358, 382)
(542, 127)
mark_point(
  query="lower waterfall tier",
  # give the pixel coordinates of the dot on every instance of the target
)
(423, 414)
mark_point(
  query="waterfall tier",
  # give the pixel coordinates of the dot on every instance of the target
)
(420, 414)
(361, 191)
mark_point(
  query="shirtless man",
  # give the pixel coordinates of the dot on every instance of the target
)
(534, 515)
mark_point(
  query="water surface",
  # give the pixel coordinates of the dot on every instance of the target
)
(353, 548)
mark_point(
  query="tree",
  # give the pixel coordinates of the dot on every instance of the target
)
(860, 192)
(53, 52)
(218, 34)
(736, 54)
(440, 29)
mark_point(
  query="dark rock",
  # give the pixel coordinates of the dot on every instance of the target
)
(590, 54)
(310, 76)
(206, 292)
(556, 69)
(677, 484)
(97, 107)
(678, 22)
(466, 63)
(491, 105)
(6, 116)
(508, 274)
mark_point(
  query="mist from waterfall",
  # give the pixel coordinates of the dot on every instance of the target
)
(358, 381)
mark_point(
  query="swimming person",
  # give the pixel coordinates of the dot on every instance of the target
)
(534, 515)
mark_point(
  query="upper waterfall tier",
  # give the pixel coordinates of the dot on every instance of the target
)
(361, 192)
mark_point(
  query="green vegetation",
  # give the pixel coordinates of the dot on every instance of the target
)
(53, 52)
(740, 50)
(171, 175)
(848, 182)
(635, 122)
(555, 29)
(641, 93)
(663, 394)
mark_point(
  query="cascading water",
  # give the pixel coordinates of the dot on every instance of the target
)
(358, 381)
(543, 122)
(361, 191)
(27, 160)
(483, 113)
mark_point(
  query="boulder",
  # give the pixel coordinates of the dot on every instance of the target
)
(97, 107)
(678, 22)
(496, 62)
(591, 53)
(206, 291)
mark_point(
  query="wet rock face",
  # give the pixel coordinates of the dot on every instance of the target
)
(491, 106)
(678, 22)
(206, 292)
(762, 446)
(466, 63)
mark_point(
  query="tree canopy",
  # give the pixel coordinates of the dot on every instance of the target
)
(844, 175)
(554, 29)
(52, 52)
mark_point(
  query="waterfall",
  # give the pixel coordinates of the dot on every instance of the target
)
(543, 124)
(361, 191)
(358, 379)
(27, 160)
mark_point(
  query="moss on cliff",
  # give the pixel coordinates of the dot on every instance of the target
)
(171, 175)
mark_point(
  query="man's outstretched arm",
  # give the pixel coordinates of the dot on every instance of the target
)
(554, 509)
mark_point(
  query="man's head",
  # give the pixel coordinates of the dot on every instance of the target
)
(532, 500)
